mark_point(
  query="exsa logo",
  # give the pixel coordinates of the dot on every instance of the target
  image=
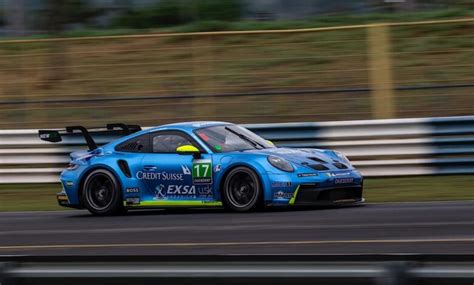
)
(162, 190)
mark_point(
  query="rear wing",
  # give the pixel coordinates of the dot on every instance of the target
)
(110, 129)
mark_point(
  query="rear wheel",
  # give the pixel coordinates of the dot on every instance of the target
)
(242, 191)
(102, 195)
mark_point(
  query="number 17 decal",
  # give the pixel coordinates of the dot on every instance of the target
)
(202, 171)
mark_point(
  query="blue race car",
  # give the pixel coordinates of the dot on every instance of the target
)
(199, 164)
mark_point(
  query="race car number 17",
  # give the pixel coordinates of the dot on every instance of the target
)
(202, 172)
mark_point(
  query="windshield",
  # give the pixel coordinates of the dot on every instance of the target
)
(231, 138)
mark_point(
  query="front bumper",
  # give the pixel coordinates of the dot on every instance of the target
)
(309, 195)
(319, 188)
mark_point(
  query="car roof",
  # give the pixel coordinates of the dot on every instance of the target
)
(189, 126)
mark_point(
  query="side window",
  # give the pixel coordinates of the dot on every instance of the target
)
(137, 144)
(169, 142)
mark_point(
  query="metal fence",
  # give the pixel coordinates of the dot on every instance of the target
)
(392, 147)
(361, 269)
(397, 70)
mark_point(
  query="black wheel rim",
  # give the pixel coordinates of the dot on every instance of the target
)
(100, 191)
(242, 189)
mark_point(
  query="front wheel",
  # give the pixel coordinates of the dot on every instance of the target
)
(102, 195)
(242, 191)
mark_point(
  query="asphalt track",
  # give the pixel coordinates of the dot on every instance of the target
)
(441, 228)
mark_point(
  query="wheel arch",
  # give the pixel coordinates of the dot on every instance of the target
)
(241, 164)
(86, 173)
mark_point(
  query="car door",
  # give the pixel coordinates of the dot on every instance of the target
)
(129, 155)
(174, 177)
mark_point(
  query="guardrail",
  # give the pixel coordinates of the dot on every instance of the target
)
(362, 269)
(393, 147)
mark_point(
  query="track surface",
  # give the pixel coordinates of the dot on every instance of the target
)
(444, 227)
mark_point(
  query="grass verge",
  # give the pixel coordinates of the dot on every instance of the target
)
(29, 197)
(415, 189)
(36, 197)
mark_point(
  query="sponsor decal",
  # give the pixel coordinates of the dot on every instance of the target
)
(343, 180)
(132, 201)
(182, 191)
(163, 175)
(132, 190)
(69, 183)
(186, 170)
(307, 174)
(159, 192)
(281, 184)
(282, 195)
(174, 191)
(205, 190)
(217, 168)
(202, 171)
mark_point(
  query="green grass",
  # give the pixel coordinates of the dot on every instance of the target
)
(414, 189)
(37, 197)
(29, 197)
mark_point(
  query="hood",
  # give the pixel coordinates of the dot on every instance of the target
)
(318, 159)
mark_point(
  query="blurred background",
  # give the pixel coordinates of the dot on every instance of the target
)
(262, 61)
(387, 82)
(150, 62)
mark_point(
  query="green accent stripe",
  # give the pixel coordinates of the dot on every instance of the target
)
(293, 198)
(177, 203)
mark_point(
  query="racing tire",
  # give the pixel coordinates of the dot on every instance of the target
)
(101, 194)
(242, 191)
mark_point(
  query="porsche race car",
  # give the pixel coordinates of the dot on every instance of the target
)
(198, 164)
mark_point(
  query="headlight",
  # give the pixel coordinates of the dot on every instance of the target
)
(280, 163)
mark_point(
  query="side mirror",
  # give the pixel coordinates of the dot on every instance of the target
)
(270, 142)
(189, 149)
